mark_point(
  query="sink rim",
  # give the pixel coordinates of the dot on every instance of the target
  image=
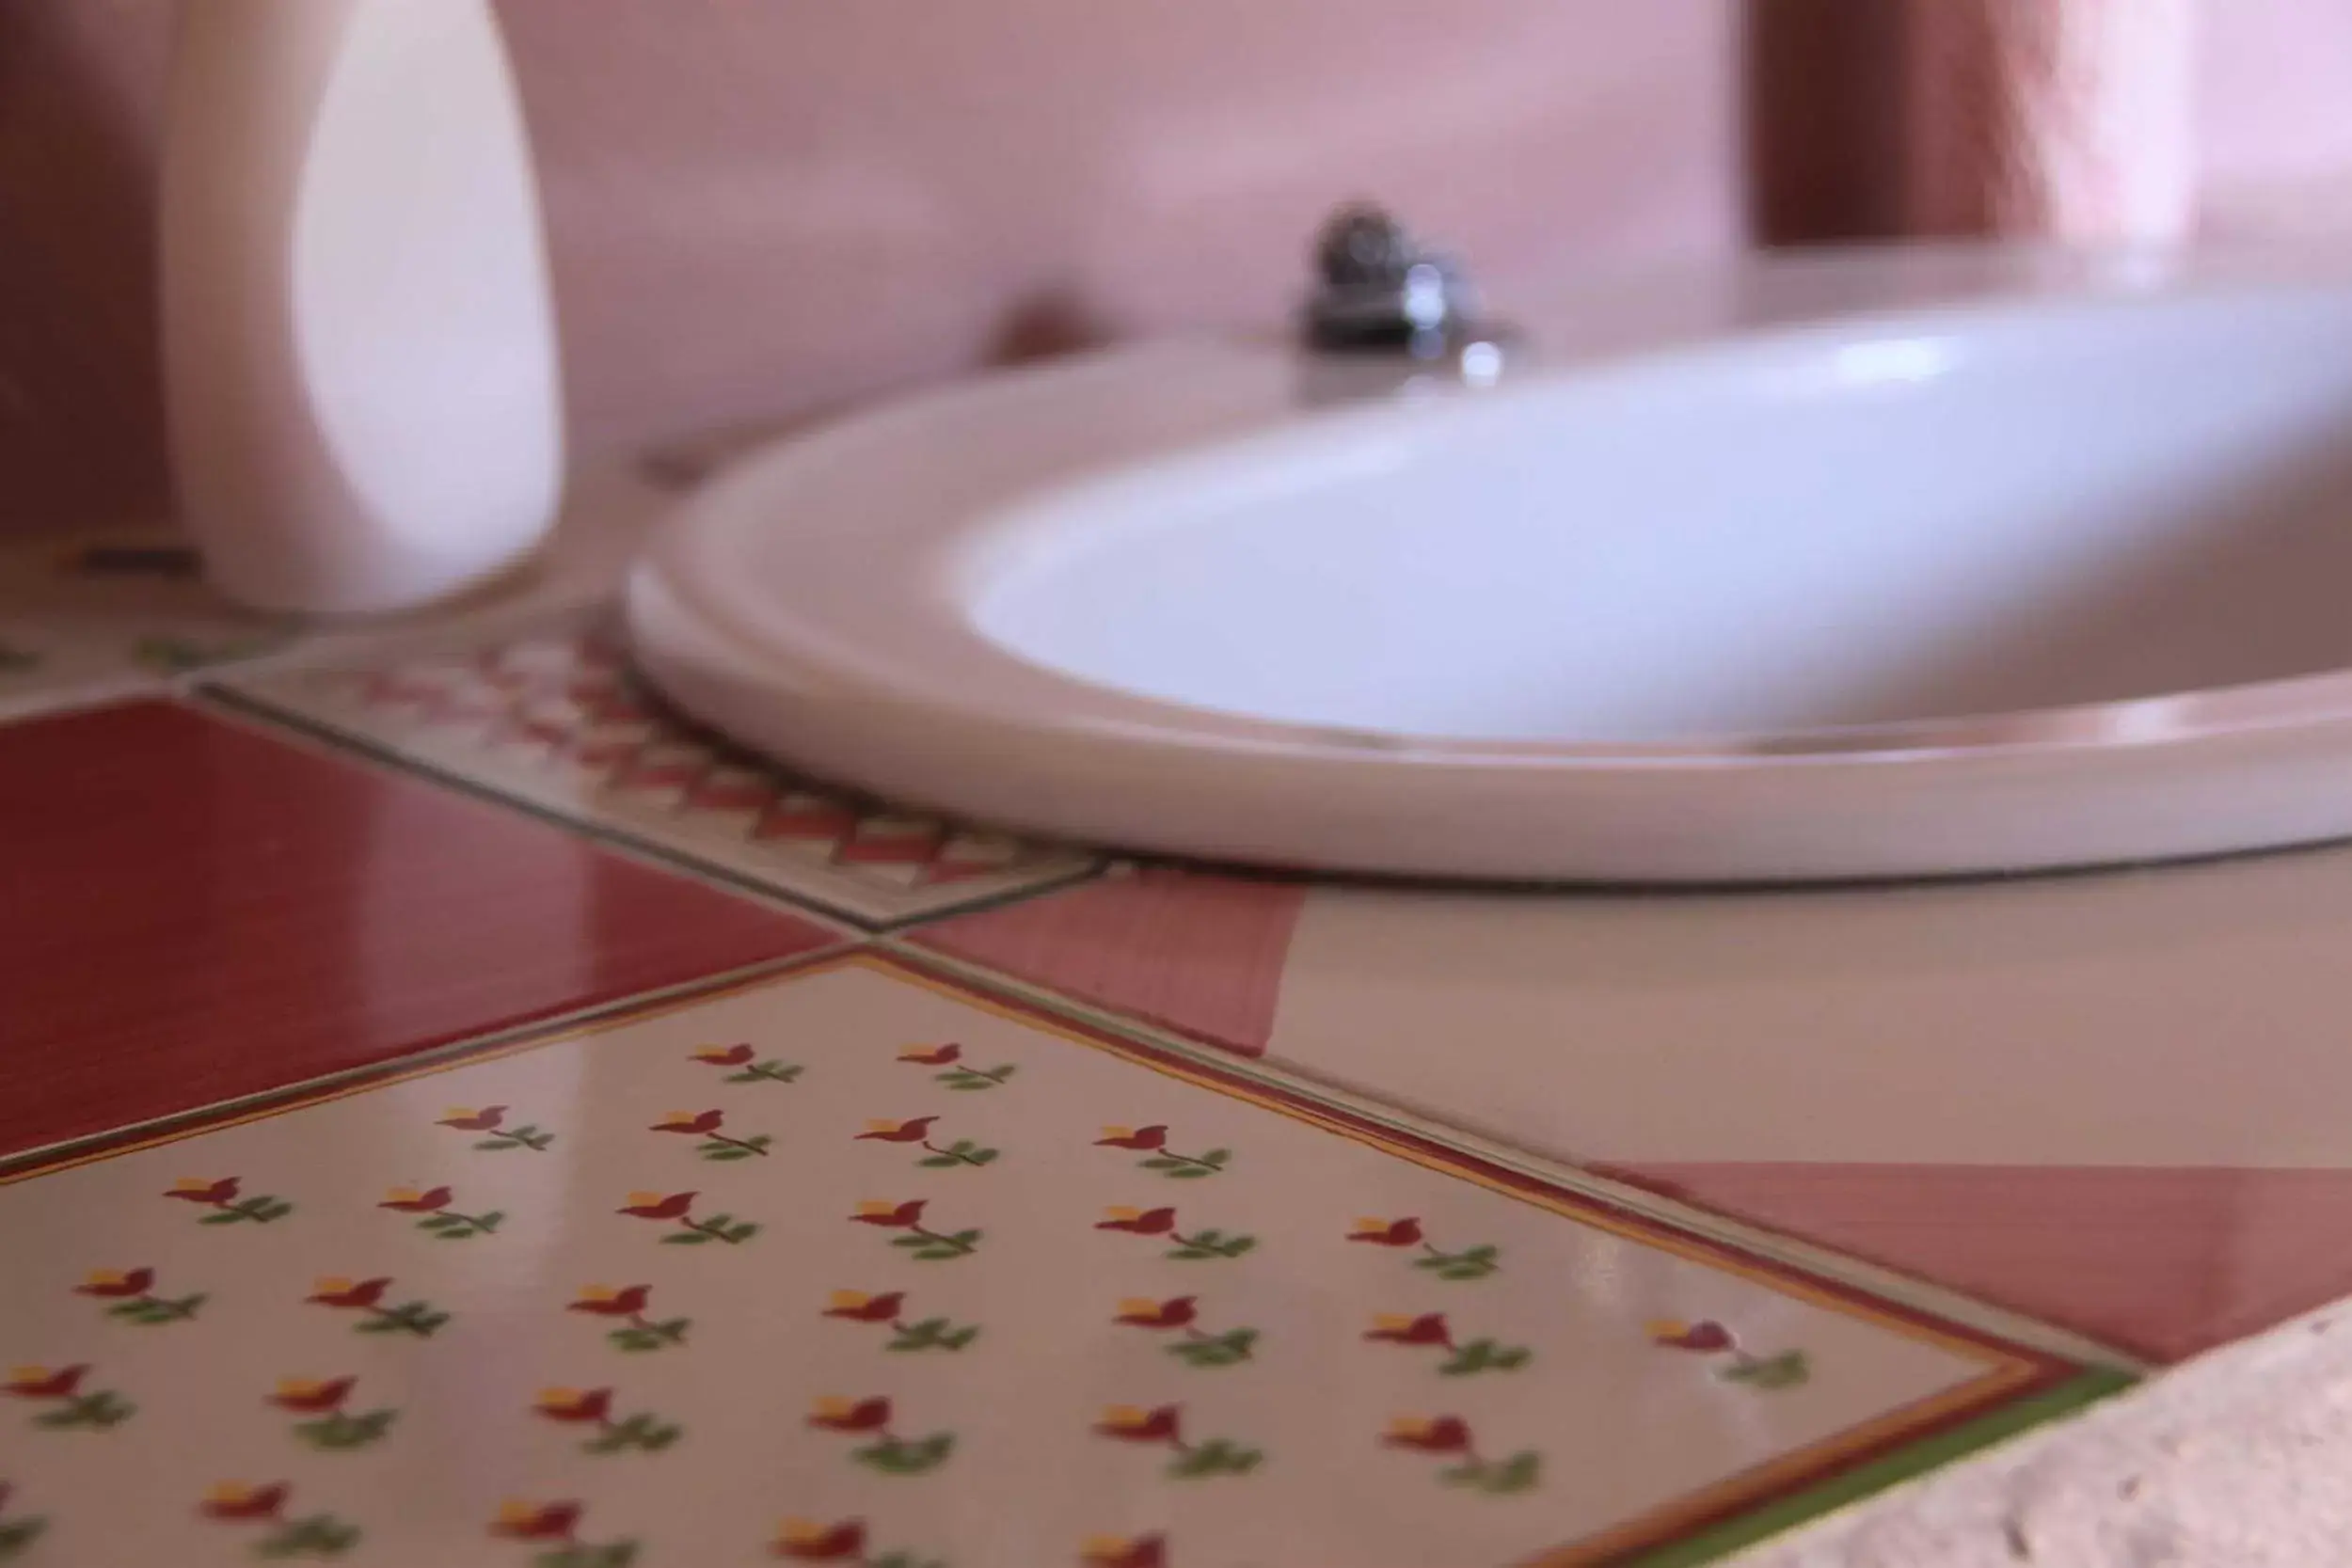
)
(864, 712)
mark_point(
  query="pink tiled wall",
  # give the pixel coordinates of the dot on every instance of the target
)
(760, 206)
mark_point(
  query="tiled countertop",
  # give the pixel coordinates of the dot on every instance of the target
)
(461, 1115)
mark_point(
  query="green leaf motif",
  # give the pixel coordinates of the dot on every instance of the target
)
(101, 1411)
(644, 1432)
(610, 1554)
(1498, 1479)
(651, 1335)
(896, 1456)
(1225, 1350)
(1217, 1457)
(17, 1535)
(933, 1333)
(322, 1535)
(339, 1431)
(1786, 1370)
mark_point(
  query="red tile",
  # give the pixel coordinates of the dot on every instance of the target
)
(1202, 955)
(190, 911)
(2162, 1261)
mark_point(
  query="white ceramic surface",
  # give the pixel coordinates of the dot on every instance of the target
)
(2052, 577)
(360, 348)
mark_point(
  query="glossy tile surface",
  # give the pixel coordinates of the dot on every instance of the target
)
(2109, 1101)
(1193, 952)
(192, 911)
(853, 1261)
(548, 718)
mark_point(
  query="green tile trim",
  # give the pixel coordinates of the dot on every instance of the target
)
(1864, 1480)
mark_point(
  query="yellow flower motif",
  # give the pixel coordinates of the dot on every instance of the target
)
(1125, 1416)
(1390, 1323)
(679, 1116)
(194, 1184)
(30, 1375)
(1120, 1214)
(646, 1200)
(403, 1195)
(103, 1278)
(1108, 1548)
(914, 1052)
(1411, 1426)
(833, 1408)
(877, 1207)
(598, 1293)
(1663, 1329)
(1138, 1307)
(848, 1301)
(558, 1398)
(231, 1493)
(804, 1533)
(299, 1388)
(329, 1285)
(1119, 1132)
(883, 1126)
(1371, 1227)
(713, 1053)
(513, 1511)
(461, 1111)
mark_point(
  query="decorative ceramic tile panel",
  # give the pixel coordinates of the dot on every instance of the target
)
(858, 1266)
(552, 718)
(97, 615)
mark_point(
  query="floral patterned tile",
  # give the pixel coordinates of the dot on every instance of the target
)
(860, 1265)
(548, 717)
(96, 616)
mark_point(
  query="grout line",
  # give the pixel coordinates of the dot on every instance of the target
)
(41, 1159)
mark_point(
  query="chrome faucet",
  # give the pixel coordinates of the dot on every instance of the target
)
(1380, 291)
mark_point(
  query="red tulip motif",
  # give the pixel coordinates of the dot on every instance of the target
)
(862, 1309)
(630, 1302)
(1163, 1425)
(367, 1296)
(605, 1302)
(1428, 1329)
(1138, 1138)
(1404, 1233)
(1450, 1436)
(838, 1415)
(927, 1245)
(117, 1285)
(806, 1540)
(1178, 1313)
(943, 1055)
(897, 1131)
(132, 1298)
(335, 1290)
(1162, 1222)
(491, 1121)
(678, 1207)
(311, 1397)
(224, 1197)
(43, 1383)
(527, 1521)
(237, 1500)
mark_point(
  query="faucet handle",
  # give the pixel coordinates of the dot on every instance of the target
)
(1377, 287)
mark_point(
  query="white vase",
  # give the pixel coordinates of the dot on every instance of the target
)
(359, 354)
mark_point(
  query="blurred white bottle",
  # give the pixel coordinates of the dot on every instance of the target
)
(359, 354)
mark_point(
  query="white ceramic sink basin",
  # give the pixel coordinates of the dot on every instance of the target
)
(2058, 575)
